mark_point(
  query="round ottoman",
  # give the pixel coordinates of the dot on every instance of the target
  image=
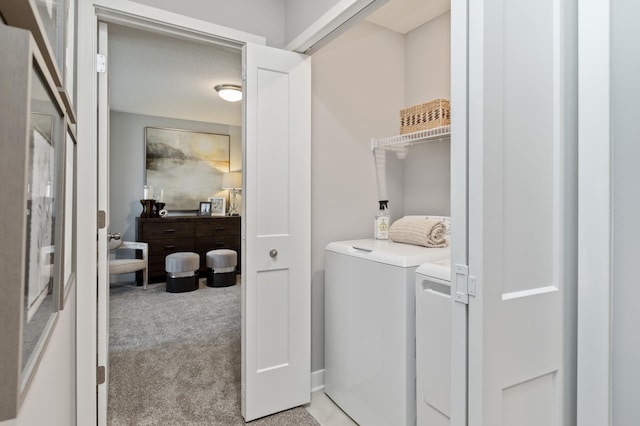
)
(182, 271)
(221, 268)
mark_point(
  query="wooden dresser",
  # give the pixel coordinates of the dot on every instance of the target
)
(197, 234)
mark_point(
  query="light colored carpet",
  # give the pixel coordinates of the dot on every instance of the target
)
(175, 358)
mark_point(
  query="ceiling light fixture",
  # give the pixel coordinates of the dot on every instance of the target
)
(229, 92)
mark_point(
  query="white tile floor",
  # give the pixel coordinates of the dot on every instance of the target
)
(326, 412)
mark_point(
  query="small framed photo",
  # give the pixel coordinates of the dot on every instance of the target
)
(218, 206)
(205, 208)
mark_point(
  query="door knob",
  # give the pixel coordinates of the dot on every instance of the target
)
(115, 236)
(273, 252)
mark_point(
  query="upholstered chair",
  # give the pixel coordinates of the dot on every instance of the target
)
(125, 266)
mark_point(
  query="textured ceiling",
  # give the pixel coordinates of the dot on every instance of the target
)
(169, 77)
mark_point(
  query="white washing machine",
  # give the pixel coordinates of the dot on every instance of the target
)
(433, 343)
(370, 328)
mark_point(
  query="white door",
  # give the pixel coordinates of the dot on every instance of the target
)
(522, 198)
(103, 206)
(459, 219)
(276, 270)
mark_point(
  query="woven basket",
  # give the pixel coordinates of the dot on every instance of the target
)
(425, 116)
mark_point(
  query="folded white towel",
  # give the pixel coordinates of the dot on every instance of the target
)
(419, 231)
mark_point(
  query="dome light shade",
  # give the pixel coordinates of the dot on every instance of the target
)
(229, 92)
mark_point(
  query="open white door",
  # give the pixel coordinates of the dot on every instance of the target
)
(103, 209)
(276, 269)
(522, 193)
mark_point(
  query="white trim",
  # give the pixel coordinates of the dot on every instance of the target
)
(594, 215)
(317, 380)
(459, 203)
(103, 205)
(86, 306)
(343, 12)
(475, 215)
(131, 13)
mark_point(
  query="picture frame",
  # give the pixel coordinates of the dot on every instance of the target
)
(68, 254)
(218, 206)
(33, 126)
(187, 164)
(205, 208)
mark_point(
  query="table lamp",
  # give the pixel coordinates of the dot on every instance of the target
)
(233, 182)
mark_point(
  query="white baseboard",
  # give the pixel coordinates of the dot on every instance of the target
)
(317, 380)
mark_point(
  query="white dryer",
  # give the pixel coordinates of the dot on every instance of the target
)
(370, 328)
(433, 343)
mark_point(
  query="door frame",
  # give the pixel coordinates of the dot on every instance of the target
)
(102, 166)
(146, 18)
(459, 206)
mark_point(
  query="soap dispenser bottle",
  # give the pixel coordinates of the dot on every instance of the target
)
(381, 222)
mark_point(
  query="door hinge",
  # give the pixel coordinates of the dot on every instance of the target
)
(101, 375)
(102, 219)
(101, 63)
(464, 285)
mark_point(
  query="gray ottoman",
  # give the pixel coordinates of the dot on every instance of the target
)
(182, 271)
(221, 268)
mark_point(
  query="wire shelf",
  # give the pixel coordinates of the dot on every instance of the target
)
(399, 142)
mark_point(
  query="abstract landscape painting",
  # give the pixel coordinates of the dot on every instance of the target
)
(187, 166)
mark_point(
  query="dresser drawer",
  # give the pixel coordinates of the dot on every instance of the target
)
(218, 228)
(156, 230)
(168, 246)
(204, 244)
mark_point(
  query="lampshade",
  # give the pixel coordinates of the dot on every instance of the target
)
(232, 180)
(229, 92)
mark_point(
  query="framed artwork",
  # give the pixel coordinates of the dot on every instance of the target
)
(218, 206)
(41, 247)
(205, 208)
(32, 125)
(188, 166)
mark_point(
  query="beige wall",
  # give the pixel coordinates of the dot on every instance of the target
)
(50, 399)
(361, 80)
(357, 85)
(427, 168)
(428, 61)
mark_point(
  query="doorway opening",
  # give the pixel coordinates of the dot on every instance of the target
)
(169, 351)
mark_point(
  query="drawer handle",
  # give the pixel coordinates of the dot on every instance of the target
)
(220, 229)
(169, 247)
(218, 244)
(169, 231)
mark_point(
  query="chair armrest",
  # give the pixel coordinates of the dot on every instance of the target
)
(134, 245)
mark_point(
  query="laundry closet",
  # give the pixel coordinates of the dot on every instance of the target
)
(369, 285)
(514, 203)
(361, 81)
